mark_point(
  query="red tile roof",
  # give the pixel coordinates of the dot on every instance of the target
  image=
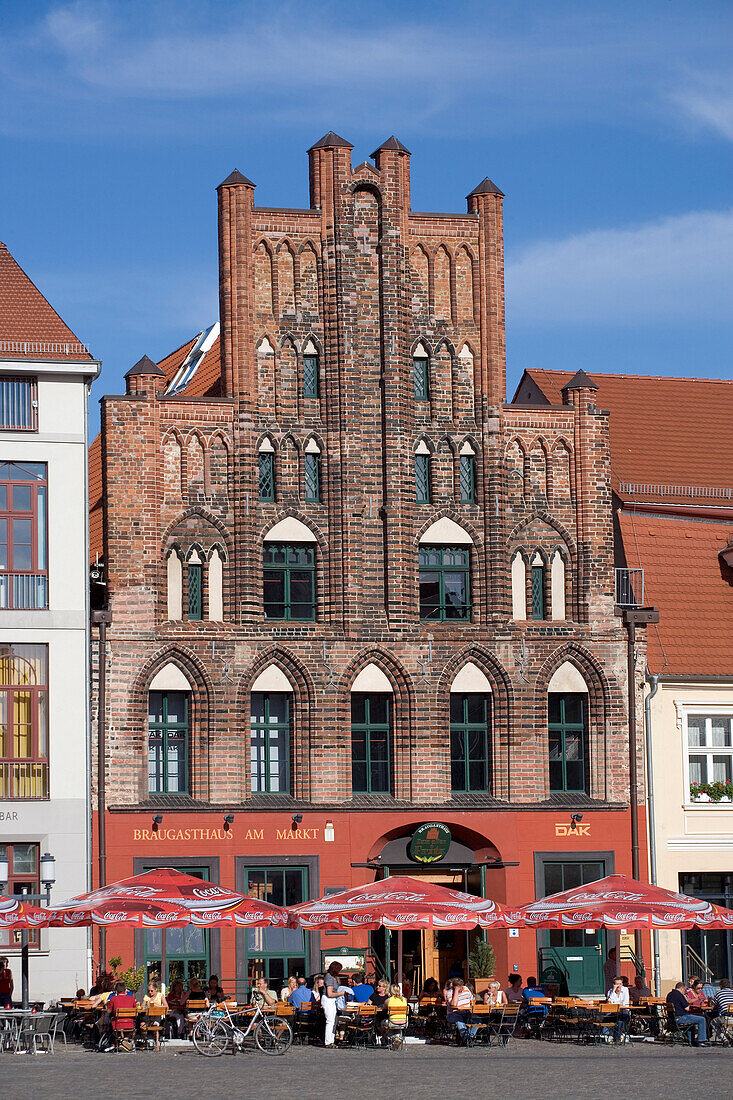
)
(30, 328)
(656, 436)
(206, 381)
(691, 586)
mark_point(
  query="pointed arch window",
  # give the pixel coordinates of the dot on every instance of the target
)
(270, 742)
(195, 577)
(568, 741)
(421, 377)
(467, 475)
(266, 457)
(310, 370)
(312, 473)
(370, 742)
(469, 741)
(538, 588)
(168, 731)
(422, 474)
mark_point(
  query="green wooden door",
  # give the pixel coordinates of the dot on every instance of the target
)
(577, 953)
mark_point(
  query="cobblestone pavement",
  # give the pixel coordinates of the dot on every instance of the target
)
(533, 1069)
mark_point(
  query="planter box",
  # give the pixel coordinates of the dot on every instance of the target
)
(481, 984)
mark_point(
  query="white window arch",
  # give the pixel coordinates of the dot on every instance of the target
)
(519, 587)
(174, 575)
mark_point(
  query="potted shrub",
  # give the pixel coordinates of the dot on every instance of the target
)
(481, 965)
(132, 977)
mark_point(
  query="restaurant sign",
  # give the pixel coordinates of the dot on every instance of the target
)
(430, 842)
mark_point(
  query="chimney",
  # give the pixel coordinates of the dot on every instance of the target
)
(141, 379)
(486, 200)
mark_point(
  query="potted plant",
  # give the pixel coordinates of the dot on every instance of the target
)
(711, 792)
(132, 977)
(481, 964)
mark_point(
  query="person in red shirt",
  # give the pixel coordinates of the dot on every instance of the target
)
(6, 984)
(121, 999)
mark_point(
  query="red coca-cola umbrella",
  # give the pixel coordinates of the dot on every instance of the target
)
(166, 898)
(397, 902)
(620, 902)
(16, 913)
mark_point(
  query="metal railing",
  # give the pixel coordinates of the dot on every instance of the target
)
(26, 591)
(638, 488)
(693, 964)
(24, 779)
(43, 347)
(18, 403)
(629, 587)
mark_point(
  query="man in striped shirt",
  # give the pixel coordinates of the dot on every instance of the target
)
(723, 1004)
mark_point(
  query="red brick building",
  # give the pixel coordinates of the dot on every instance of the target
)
(352, 590)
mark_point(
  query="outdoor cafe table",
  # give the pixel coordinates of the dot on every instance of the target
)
(11, 1020)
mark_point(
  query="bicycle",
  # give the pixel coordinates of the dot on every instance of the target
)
(216, 1030)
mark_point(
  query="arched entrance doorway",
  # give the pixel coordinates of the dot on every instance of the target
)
(451, 855)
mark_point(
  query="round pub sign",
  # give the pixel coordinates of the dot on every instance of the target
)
(430, 843)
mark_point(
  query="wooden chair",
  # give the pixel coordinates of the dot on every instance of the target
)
(360, 1030)
(152, 1025)
(478, 1026)
(305, 1016)
(123, 1025)
(506, 1032)
(282, 1008)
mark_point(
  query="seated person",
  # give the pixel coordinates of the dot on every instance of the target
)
(156, 998)
(695, 996)
(301, 995)
(361, 991)
(380, 994)
(530, 993)
(104, 990)
(684, 1016)
(80, 995)
(121, 998)
(431, 988)
(495, 995)
(214, 992)
(196, 1001)
(618, 994)
(395, 1015)
(262, 995)
(639, 990)
(318, 986)
(177, 1006)
(723, 997)
(514, 989)
(292, 984)
(459, 1002)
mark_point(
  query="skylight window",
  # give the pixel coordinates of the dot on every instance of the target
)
(193, 360)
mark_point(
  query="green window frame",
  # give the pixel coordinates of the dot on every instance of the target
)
(538, 592)
(310, 376)
(312, 478)
(270, 742)
(276, 953)
(421, 378)
(168, 733)
(445, 583)
(266, 476)
(195, 573)
(187, 950)
(370, 743)
(289, 582)
(422, 479)
(470, 742)
(568, 741)
(467, 479)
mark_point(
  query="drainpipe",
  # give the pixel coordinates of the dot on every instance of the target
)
(101, 619)
(653, 679)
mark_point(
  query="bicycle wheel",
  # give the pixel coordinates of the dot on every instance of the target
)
(210, 1037)
(273, 1038)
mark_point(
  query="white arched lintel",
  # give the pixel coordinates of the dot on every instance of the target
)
(471, 680)
(567, 678)
(446, 532)
(272, 678)
(290, 529)
(371, 678)
(169, 678)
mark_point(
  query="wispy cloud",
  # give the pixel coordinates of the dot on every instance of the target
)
(675, 271)
(710, 102)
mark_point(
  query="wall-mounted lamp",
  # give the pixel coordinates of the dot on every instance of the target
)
(228, 822)
(297, 818)
(574, 821)
(329, 833)
(48, 870)
(157, 822)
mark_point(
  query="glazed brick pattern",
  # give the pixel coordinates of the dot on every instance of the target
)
(365, 279)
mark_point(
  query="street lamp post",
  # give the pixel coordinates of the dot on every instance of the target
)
(48, 877)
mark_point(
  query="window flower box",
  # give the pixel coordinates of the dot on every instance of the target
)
(711, 792)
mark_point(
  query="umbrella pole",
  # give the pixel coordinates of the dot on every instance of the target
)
(163, 966)
(399, 958)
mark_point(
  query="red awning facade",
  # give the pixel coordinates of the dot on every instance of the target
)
(16, 913)
(621, 902)
(166, 898)
(397, 902)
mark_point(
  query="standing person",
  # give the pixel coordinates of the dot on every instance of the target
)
(459, 1002)
(333, 990)
(618, 994)
(610, 969)
(6, 984)
(514, 989)
(685, 1017)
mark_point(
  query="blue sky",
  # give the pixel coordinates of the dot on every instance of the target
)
(609, 126)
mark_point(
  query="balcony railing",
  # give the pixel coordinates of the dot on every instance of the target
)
(630, 587)
(27, 591)
(24, 779)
